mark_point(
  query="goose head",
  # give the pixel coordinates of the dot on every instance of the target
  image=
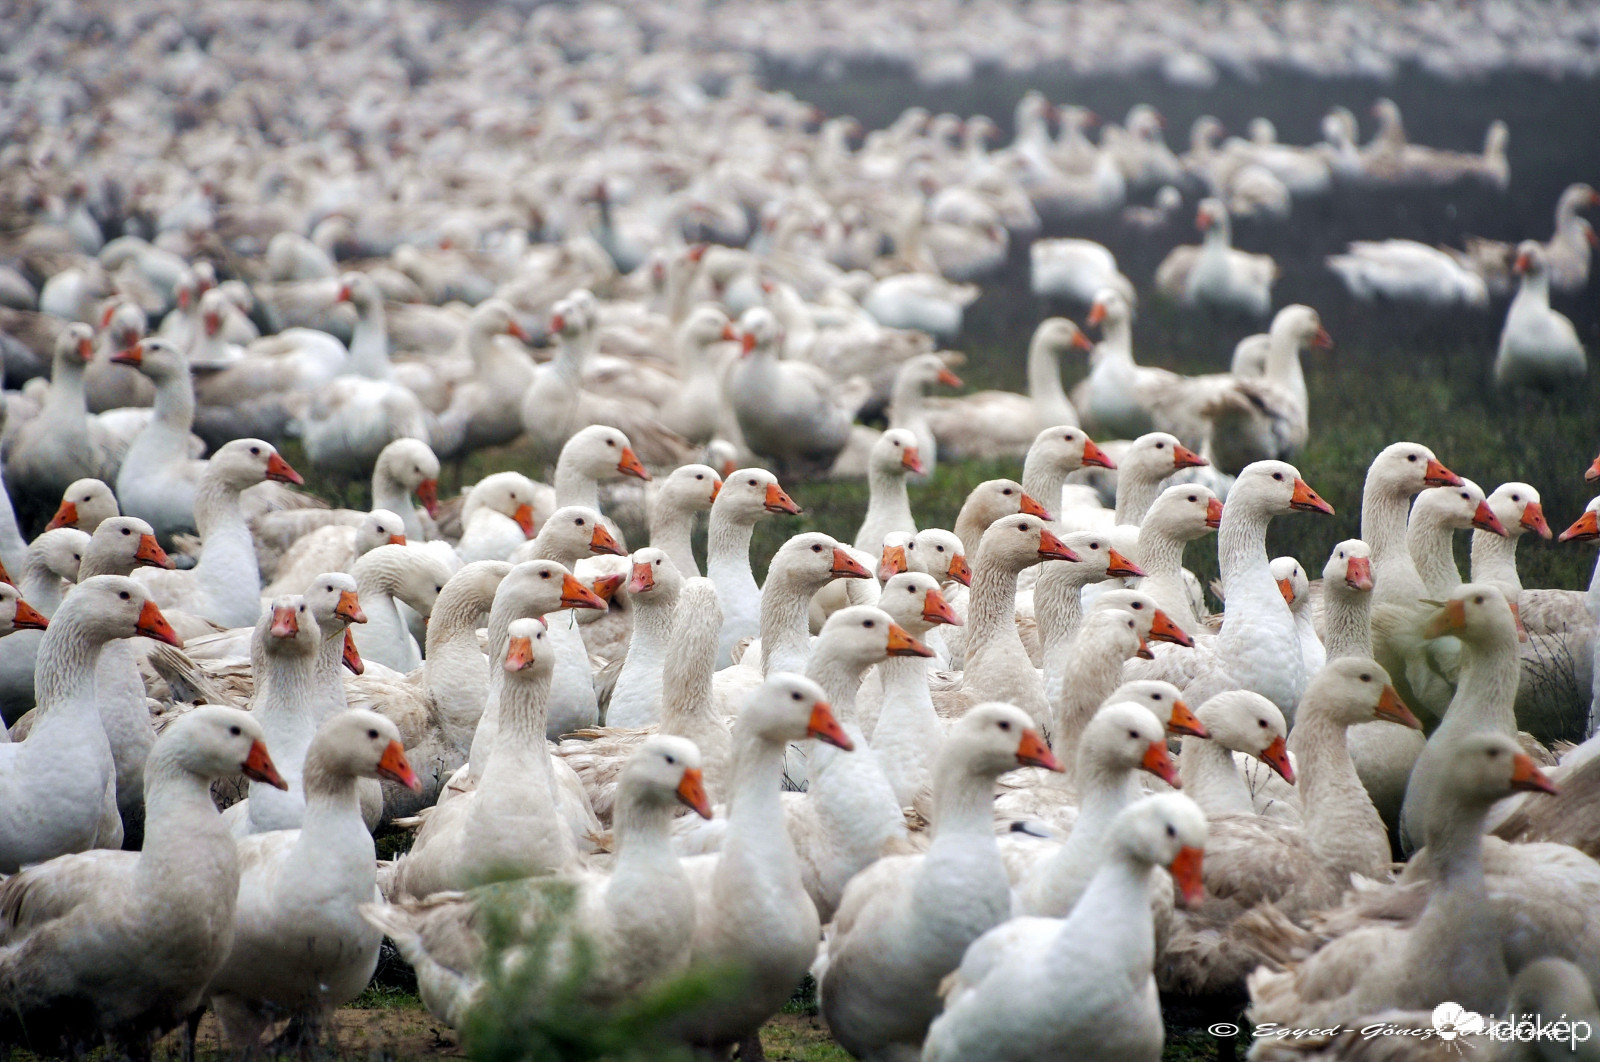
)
(243, 463)
(494, 317)
(1059, 335)
(789, 707)
(1479, 615)
(214, 309)
(1456, 508)
(996, 498)
(576, 531)
(1292, 582)
(812, 559)
(1157, 455)
(863, 635)
(1016, 542)
(1152, 623)
(723, 456)
(16, 614)
(748, 494)
(511, 494)
(334, 601)
(113, 606)
(411, 575)
(1301, 326)
(653, 575)
(1063, 449)
(1402, 469)
(380, 527)
(690, 488)
(529, 653)
(1125, 736)
(412, 464)
(705, 326)
(1166, 830)
(913, 600)
(1486, 767)
(1184, 511)
(84, 505)
(126, 543)
(1585, 528)
(601, 453)
(938, 552)
(1211, 216)
(74, 347)
(993, 738)
(1273, 488)
(60, 551)
(213, 742)
(287, 627)
(1353, 690)
(156, 358)
(1530, 261)
(1350, 566)
(1099, 559)
(1164, 701)
(1204, 134)
(540, 587)
(1109, 309)
(664, 770)
(360, 291)
(1244, 721)
(759, 333)
(1517, 507)
(123, 324)
(925, 371)
(895, 454)
(361, 744)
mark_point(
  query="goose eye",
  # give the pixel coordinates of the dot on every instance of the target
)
(579, 521)
(255, 450)
(1278, 476)
(372, 734)
(127, 531)
(699, 475)
(671, 759)
(1412, 458)
(302, 608)
(613, 443)
(1194, 497)
(1171, 832)
(1005, 724)
(544, 575)
(869, 624)
(1366, 678)
(1133, 733)
(1006, 492)
(1161, 446)
(1494, 753)
(123, 595)
(1262, 723)
(1516, 497)
(235, 731)
(939, 548)
(816, 549)
(1478, 600)
(752, 482)
(794, 696)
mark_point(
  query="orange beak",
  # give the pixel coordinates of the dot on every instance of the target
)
(516, 331)
(1052, 548)
(258, 766)
(779, 502)
(278, 469)
(716, 488)
(1392, 708)
(524, 518)
(1081, 341)
(606, 587)
(729, 335)
(824, 727)
(1158, 761)
(960, 570)
(28, 618)
(1307, 500)
(1526, 776)
(1522, 264)
(133, 356)
(349, 607)
(558, 323)
(729, 467)
(397, 540)
(152, 624)
(644, 578)
(1032, 751)
(395, 767)
(1593, 472)
(86, 346)
(692, 792)
(1286, 588)
(351, 655)
(285, 624)
(911, 461)
(1032, 508)
(428, 495)
(1533, 520)
(1584, 528)
(630, 465)
(1213, 514)
(1453, 617)
(1484, 519)
(575, 595)
(1184, 721)
(1143, 652)
(747, 343)
(344, 293)
(892, 563)
(846, 566)
(1276, 756)
(1097, 313)
(1121, 567)
(66, 516)
(1093, 455)
(1162, 629)
(1358, 573)
(949, 379)
(151, 553)
(936, 610)
(519, 653)
(1183, 457)
(1187, 877)
(5, 576)
(1516, 618)
(1439, 476)
(601, 542)
(1322, 339)
(902, 644)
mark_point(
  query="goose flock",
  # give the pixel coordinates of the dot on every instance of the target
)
(1007, 789)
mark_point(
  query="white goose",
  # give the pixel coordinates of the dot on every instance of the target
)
(747, 495)
(690, 489)
(1215, 274)
(1539, 347)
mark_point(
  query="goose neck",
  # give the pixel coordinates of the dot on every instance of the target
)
(1383, 528)
(174, 403)
(1486, 692)
(888, 504)
(728, 547)
(992, 604)
(963, 801)
(1209, 775)
(785, 621)
(672, 532)
(574, 487)
(1494, 561)
(1135, 495)
(64, 403)
(1113, 916)
(1346, 621)
(286, 684)
(369, 345)
(1044, 373)
(1433, 554)
(181, 824)
(65, 668)
(524, 708)
(1058, 602)
(42, 587)
(687, 677)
